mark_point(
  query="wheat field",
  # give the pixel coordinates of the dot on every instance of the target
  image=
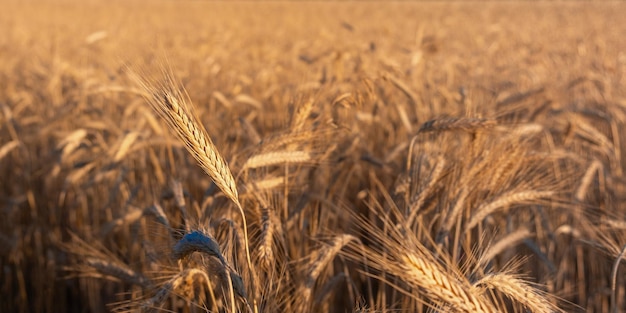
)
(193, 156)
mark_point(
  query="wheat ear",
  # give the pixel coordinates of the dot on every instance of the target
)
(277, 157)
(468, 124)
(526, 196)
(420, 271)
(517, 290)
(117, 270)
(170, 106)
(587, 179)
(176, 110)
(181, 284)
(197, 241)
(266, 249)
(324, 256)
(6, 148)
(508, 241)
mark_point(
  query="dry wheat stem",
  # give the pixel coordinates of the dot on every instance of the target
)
(403, 87)
(614, 302)
(248, 129)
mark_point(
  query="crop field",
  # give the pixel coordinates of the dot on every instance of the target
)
(192, 156)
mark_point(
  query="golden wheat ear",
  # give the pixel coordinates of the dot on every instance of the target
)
(166, 98)
(175, 108)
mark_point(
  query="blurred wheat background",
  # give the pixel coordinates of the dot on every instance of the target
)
(191, 156)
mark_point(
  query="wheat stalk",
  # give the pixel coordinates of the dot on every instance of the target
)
(614, 300)
(176, 110)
